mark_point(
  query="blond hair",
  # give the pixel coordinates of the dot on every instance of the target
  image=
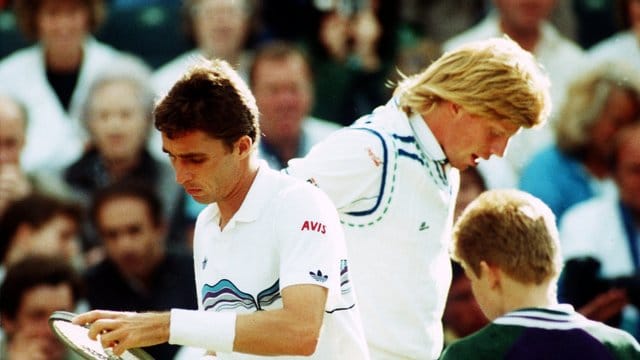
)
(512, 230)
(493, 78)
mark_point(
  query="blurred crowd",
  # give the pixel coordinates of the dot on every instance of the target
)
(91, 215)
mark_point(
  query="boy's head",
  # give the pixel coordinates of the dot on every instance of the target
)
(512, 231)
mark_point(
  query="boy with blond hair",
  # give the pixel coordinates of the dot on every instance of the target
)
(507, 242)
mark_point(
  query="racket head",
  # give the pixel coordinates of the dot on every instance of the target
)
(76, 338)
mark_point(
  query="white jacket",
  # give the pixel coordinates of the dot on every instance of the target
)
(54, 137)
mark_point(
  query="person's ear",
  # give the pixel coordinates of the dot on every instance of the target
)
(492, 273)
(243, 145)
(454, 108)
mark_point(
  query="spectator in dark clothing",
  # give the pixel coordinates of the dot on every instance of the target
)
(138, 273)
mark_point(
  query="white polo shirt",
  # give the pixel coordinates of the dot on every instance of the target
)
(285, 233)
(389, 179)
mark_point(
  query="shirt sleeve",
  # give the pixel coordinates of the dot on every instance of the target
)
(311, 240)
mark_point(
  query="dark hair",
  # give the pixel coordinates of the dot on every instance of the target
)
(277, 50)
(210, 97)
(27, 11)
(35, 210)
(32, 271)
(133, 189)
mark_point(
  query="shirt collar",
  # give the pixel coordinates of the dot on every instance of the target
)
(425, 138)
(259, 193)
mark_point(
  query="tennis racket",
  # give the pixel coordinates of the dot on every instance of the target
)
(76, 338)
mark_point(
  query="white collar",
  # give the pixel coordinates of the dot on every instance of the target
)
(253, 202)
(425, 138)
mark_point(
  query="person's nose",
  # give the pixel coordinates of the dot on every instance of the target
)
(115, 120)
(499, 146)
(183, 175)
(127, 242)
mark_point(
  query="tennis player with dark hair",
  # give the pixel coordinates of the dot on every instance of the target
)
(272, 276)
(507, 242)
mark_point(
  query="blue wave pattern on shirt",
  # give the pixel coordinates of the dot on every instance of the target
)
(224, 296)
(269, 296)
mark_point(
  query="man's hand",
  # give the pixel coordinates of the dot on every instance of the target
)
(125, 330)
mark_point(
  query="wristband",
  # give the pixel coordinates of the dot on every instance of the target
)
(203, 329)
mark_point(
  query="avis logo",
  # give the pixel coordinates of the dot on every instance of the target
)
(318, 276)
(314, 226)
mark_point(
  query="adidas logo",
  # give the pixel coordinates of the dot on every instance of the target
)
(318, 276)
(423, 226)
